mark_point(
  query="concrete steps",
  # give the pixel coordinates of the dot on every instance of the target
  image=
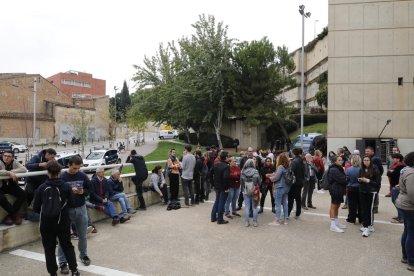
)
(14, 236)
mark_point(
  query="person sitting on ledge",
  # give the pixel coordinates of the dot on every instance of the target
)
(158, 185)
(116, 193)
(9, 167)
(99, 195)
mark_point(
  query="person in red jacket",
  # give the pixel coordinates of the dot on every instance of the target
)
(318, 161)
(234, 190)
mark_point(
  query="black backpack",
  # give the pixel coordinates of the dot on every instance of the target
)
(325, 180)
(52, 203)
(290, 177)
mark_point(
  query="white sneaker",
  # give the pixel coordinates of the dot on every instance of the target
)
(371, 229)
(336, 229)
(341, 226)
(365, 233)
(320, 191)
(246, 224)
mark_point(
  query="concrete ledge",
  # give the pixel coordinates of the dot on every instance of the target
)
(14, 236)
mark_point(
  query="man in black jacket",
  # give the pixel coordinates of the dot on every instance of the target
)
(369, 151)
(141, 173)
(298, 168)
(56, 227)
(221, 172)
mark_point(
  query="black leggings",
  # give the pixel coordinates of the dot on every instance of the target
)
(174, 186)
(264, 191)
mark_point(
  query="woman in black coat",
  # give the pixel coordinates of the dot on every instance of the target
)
(337, 184)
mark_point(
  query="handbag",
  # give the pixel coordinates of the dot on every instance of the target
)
(256, 196)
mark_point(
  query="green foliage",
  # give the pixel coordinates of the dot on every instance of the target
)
(322, 94)
(274, 131)
(309, 47)
(207, 139)
(310, 119)
(80, 123)
(319, 128)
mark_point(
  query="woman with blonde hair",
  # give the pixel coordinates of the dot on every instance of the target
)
(250, 181)
(281, 188)
(352, 174)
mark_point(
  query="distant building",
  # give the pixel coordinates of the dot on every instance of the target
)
(371, 70)
(55, 111)
(77, 84)
(315, 68)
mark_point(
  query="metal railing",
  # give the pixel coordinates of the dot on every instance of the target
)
(89, 168)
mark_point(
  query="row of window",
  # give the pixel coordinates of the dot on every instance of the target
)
(76, 83)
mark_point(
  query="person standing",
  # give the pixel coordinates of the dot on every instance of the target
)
(318, 161)
(249, 155)
(234, 189)
(187, 166)
(267, 185)
(369, 151)
(250, 181)
(298, 168)
(200, 174)
(141, 174)
(337, 185)
(393, 174)
(221, 174)
(369, 180)
(309, 183)
(405, 202)
(78, 213)
(174, 175)
(352, 174)
(52, 227)
(9, 167)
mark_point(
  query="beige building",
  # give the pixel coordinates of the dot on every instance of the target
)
(315, 65)
(371, 74)
(54, 111)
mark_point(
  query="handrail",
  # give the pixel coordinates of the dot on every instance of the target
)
(26, 174)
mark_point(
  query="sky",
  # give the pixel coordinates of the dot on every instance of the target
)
(106, 38)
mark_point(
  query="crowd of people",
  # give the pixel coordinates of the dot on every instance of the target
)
(290, 178)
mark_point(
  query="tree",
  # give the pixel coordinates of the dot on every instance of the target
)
(124, 101)
(80, 123)
(322, 94)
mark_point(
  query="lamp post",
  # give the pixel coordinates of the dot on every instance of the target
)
(34, 112)
(302, 81)
(386, 124)
(314, 28)
(115, 88)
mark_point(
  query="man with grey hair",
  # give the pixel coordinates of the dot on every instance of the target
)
(99, 195)
(116, 193)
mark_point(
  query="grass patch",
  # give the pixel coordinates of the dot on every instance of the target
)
(319, 127)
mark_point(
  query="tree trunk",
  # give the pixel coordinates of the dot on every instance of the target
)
(282, 127)
(187, 134)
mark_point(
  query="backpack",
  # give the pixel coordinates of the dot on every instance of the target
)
(325, 180)
(166, 170)
(52, 203)
(249, 186)
(290, 177)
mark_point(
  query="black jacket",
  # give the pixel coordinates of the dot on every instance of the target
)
(65, 194)
(141, 171)
(33, 166)
(221, 171)
(374, 182)
(298, 169)
(337, 179)
(96, 194)
(115, 185)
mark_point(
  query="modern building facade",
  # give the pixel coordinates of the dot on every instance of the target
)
(371, 74)
(55, 111)
(77, 84)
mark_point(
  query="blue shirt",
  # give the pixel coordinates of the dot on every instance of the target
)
(79, 180)
(353, 173)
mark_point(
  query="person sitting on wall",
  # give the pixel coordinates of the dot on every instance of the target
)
(158, 185)
(99, 195)
(9, 167)
(116, 193)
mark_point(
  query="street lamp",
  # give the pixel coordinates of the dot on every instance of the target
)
(302, 84)
(115, 88)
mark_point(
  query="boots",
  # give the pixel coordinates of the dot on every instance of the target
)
(141, 203)
(261, 210)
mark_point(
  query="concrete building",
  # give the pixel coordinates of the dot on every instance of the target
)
(371, 72)
(315, 65)
(55, 111)
(78, 84)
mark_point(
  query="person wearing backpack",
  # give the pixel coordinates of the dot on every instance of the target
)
(337, 184)
(281, 189)
(50, 202)
(250, 181)
(141, 174)
(352, 174)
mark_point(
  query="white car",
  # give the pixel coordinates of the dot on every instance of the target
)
(18, 147)
(168, 134)
(102, 157)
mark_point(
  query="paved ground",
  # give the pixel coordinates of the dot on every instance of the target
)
(185, 242)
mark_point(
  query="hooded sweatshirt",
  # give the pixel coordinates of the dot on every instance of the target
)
(247, 174)
(405, 199)
(65, 194)
(33, 166)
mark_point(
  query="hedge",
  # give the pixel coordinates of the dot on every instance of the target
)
(207, 139)
(310, 119)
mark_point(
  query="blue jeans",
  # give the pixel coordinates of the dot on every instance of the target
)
(407, 238)
(79, 217)
(123, 201)
(109, 209)
(248, 203)
(188, 191)
(281, 200)
(232, 198)
(218, 207)
(394, 194)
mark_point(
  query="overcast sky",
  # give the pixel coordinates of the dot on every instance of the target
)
(106, 38)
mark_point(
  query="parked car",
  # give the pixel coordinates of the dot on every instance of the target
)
(311, 142)
(4, 145)
(102, 157)
(63, 158)
(168, 134)
(61, 143)
(18, 147)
